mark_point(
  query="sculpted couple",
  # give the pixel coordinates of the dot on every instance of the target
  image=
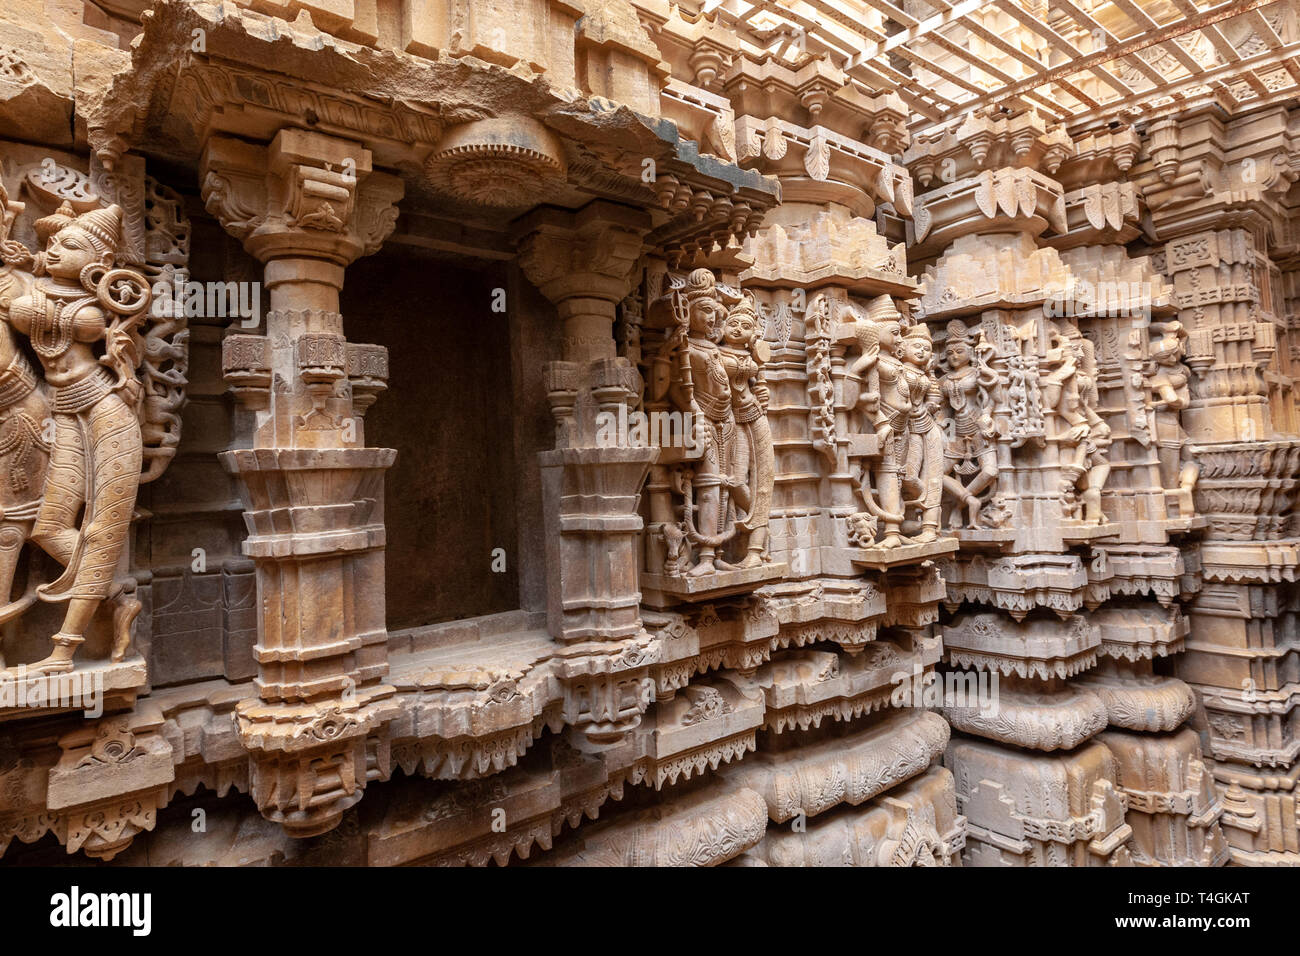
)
(717, 356)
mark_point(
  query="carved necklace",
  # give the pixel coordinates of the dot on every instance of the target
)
(51, 331)
(717, 371)
(959, 387)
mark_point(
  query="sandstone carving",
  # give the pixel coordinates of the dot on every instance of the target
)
(629, 433)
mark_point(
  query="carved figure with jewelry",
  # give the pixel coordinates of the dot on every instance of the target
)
(80, 302)
(970, 455)
(1170, 394)
(1069, 388)
(1096, 447)
(897, 395)
(701, 385)
(24, 411)
(753, 464)
(923, 461)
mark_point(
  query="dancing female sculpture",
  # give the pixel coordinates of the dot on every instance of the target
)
(874, 378)
(1170, 394)
(753, 465)
(80, 301)
(896, 391)
(966, 389)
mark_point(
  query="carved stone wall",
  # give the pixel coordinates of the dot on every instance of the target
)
(634, 433)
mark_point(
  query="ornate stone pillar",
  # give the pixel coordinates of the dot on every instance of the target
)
(585, 263)
(1028, 459)
(1123, 306)
(307, 205)
(1216, 186)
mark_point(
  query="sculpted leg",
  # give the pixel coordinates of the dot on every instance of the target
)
(65, 492)
(931, 474)
(91, 554)
(760, 504)
(12, 537)
(891, 501)
(708, 495)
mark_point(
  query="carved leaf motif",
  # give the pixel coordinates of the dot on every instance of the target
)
(885, 182)
(722, 135)
(774, 144)
(779, 322)
(1007, 191)
(817, 161)
(921, 220)
(749, 147)
(1114, 214)
(127, 192)
(984, 195)
(1092, 206)
(1028, 196)
(903, 193)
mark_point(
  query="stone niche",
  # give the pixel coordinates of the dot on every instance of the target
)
(457, 474)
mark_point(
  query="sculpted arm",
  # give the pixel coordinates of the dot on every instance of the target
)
(1169, 396)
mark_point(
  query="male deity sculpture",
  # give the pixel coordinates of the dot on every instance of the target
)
(971, 458)
(78, 303)
(1170, 394)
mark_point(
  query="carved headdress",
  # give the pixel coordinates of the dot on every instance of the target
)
(747, 306)
(700, 283)
(958, 334)
(104, 226)
(1170, 346)
(882, 310)
(919, 331)
(47, 226)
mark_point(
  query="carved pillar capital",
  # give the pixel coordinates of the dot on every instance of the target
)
(588, 252)
(303, 194)
(584, 262)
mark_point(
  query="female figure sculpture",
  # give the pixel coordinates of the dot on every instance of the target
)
(78, 302)
(898, 395)
(970, 449)
(1170, 394)
(1096, 445)
(753, 466)
(883, 401)
(924, 464)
